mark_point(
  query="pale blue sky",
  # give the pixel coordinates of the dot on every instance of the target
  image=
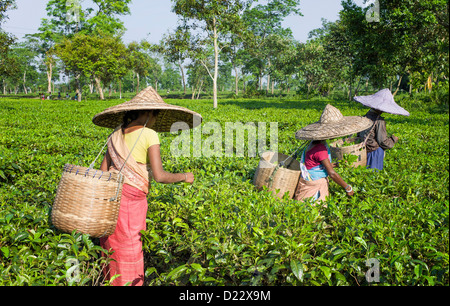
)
(155, 17)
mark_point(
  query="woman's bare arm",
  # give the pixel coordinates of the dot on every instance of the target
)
(334, 176)
(162, 176)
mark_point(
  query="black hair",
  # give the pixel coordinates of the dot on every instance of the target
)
(130, 116)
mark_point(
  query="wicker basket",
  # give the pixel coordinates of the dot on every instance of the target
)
(275, 178)
(359, 149)
(87, 201)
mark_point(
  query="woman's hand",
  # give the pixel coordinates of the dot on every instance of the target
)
(349, 191)
(189, 178)
(162, 176)
(395, 138)
(337, 178)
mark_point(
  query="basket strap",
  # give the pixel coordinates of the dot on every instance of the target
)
(294, 155)
(373, 127)
(131, 151)
(123, 166)
(128, 157)
(101, 151)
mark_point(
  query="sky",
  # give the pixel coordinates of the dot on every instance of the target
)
(151, 19)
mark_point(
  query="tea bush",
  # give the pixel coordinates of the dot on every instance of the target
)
(220, 230)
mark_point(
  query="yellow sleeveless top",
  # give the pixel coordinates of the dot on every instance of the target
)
(140, 153)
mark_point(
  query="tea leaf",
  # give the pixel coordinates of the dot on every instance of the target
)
(361, 241)
(297, 269)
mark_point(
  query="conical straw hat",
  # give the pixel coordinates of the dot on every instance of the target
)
(148, 99)
(382, 101)
(333, 124)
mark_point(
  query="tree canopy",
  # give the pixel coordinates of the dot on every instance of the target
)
(405, 48)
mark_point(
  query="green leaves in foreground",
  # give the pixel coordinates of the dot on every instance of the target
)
(220, 230)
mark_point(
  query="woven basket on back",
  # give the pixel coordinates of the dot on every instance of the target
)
(359, 149)
(87, 201)
(274, 178)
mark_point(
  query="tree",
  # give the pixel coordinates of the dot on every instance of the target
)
(282, 59)
(175, 46)
(99, 57)
(340, 55)
(234, 52)
(139, 60)
(262, 21)
(155, 71)
(311, 57)
(411, 38)
(105, 19)
(197, 78)
(68, 18)
(215, 18)
(170, 79)
(25, 57)
(4, 6)
(6, 40)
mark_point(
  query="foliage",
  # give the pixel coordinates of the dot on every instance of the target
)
(98, 57)
(220, 230)
(407, 49)
(4, 6)
(6, 40)
(217, 19)
(410, 36)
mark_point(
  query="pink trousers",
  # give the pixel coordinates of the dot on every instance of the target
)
(128, 257)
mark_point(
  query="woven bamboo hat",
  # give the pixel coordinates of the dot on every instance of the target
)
(382, 101)
(148, 99)
(333, 124)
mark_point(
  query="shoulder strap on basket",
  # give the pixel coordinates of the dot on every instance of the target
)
(373, 127)
(128, 157)
(283, 163)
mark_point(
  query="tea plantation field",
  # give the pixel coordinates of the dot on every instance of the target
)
(220, 230)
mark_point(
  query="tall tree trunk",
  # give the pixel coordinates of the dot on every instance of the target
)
(137, 86)
(180, 64)
(236, 79)
(24, 81)
(49, 75)
(357, 86)
(216, 63)
(398, 85)
(99, 87)
(78, 82)
(350, 90)
(91, 86)
(194, 89)
(199, 89)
